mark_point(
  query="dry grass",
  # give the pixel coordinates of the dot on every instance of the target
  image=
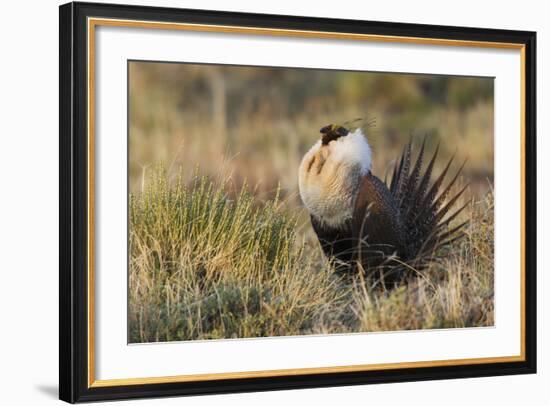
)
(208, 262)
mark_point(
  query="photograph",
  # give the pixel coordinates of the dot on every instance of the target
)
(288, 201)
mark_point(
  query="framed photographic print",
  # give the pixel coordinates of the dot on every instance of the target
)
(257, 202)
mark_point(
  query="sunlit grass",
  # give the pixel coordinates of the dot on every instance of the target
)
(205, 263)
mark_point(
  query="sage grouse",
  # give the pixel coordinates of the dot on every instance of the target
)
(361, 220)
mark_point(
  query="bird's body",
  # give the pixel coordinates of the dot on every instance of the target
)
(361, 220)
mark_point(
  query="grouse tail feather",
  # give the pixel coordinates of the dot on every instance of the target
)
(424, 204)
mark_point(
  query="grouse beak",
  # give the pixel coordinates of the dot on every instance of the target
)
(326, 129)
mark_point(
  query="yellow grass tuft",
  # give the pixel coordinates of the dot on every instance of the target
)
(207, 262)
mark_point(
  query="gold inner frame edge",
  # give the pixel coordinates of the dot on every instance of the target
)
(94, 22)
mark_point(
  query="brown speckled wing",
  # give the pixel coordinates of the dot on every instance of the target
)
(376, 224)
(335, 243)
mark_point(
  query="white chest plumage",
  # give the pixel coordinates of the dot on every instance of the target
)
(329, 177)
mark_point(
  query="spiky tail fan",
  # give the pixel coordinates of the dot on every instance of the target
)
(426, 212)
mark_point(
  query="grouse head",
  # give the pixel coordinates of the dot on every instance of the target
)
(332, 132)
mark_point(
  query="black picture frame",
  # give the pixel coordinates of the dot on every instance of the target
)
(73, 197)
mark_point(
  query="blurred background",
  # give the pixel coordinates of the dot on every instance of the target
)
(255, 123)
